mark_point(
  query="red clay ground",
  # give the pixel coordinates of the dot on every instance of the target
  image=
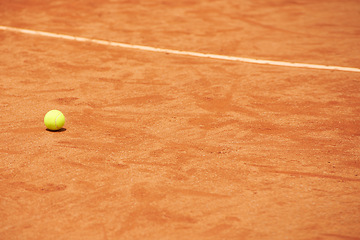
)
(159, 146)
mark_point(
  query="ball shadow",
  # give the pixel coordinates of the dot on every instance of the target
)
(60, 130)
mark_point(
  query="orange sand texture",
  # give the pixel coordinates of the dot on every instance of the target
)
(159, 146)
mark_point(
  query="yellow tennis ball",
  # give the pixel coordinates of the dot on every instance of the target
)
(54, 120)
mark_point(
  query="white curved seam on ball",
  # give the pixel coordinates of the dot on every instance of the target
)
(56, 120)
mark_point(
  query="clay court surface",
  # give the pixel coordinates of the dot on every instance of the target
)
(164, 146)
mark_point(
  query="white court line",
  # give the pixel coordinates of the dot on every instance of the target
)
(178, 52)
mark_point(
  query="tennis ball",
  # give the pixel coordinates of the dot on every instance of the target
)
(54, 120)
